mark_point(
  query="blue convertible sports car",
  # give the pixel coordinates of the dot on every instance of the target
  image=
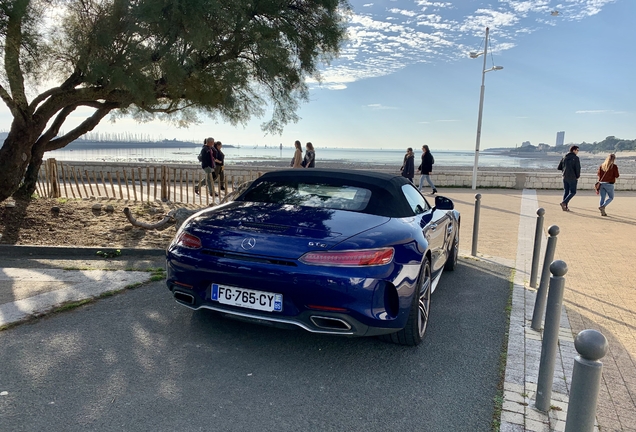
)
(330, 251)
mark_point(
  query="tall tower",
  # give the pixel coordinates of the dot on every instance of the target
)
(560, 138)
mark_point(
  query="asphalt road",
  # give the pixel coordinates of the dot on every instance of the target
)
(139, 362)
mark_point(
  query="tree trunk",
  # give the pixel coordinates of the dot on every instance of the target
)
(31, 175)
(15, 156)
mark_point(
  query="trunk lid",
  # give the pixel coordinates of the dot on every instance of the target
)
(273, 230)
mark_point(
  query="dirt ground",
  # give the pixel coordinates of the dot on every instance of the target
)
(74, 222)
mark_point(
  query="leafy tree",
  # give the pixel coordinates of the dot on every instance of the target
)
(168, 59)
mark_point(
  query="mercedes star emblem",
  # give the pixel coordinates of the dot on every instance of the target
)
(248, 243)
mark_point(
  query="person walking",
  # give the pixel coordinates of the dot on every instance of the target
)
(207, 164)
(219, 161)
(426, 168)
(310, 156)
(408, 166)
(570, 166)
(607, 174)
(297, 160)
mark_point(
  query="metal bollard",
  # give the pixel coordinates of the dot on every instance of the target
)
(536, 252)
(476, 224)
(542, 292)
(586, 381)
(550, 335)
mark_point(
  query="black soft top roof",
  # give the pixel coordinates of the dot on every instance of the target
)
(387, 198)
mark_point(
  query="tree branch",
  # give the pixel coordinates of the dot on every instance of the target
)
(86, 126)
(71, 82)
(82, 96)
(8, 100)
(52, 131)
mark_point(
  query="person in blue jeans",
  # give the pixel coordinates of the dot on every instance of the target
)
(607, 174)
(208, 155)
(426, 168)
(570, 166)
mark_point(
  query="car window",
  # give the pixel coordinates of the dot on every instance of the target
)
(341, 197)
(416, 200)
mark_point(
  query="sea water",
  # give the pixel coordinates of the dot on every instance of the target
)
(184, 153)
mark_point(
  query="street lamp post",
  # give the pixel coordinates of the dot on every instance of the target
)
(481, 103)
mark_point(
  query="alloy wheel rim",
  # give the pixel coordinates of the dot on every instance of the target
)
(424, 304)
(456, 251)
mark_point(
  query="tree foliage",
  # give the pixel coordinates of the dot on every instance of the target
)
(610, 144)
(169, 59)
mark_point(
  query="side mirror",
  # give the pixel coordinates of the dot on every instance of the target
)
(443, 203)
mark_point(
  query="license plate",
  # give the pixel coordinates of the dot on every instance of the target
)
(259, 300)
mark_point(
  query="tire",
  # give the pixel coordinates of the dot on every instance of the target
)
(451, 261)
(419, 312)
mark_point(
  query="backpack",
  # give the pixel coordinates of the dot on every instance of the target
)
(201, 154)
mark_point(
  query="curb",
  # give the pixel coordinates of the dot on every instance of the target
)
(17, 251)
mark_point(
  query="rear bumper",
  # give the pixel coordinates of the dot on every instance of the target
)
(367, 311)
(312, 321)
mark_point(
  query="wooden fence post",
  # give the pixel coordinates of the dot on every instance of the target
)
(164, 186)
(53, 178)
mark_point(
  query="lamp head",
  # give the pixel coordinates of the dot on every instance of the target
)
(497, 67)
(474, 54)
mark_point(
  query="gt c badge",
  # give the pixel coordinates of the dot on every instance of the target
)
(248, 243)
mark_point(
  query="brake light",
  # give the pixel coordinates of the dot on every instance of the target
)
(188, 241)
(362, 257)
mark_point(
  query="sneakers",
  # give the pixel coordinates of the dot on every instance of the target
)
(434, 191)
(602, 209)
(196, 190)
(564, 207)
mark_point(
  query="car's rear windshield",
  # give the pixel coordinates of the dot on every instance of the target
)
(321, 195)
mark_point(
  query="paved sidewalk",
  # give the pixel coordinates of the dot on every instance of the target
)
(600, 293)
(33, 286)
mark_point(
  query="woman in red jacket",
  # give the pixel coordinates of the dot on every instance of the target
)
(607, 174)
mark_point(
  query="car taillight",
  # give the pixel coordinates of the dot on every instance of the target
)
(188, 240)
(362, 257)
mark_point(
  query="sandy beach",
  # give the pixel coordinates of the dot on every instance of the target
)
(626, 162)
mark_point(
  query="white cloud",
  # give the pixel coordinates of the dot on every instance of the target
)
(605, 111)
(383, 41)
(380, 107)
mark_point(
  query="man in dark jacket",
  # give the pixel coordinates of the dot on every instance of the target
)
(570, 165)
(426, 168)
(207, 164)
(408, 166)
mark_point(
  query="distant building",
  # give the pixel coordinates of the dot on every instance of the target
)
(525, 144)
(560, 138)
(543, 147)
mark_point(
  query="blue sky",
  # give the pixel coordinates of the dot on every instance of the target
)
(405, 78)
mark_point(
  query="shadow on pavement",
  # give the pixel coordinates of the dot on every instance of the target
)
(139, 361)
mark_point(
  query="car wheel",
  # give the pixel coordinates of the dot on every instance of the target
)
(417, 322)
(451, 261)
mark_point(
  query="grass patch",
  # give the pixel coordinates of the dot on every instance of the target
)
(71, 305)
(109, 254)
(62, 200)
(108, 294)
(503, 359)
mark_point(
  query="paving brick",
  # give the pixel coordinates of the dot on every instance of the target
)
(599, 293)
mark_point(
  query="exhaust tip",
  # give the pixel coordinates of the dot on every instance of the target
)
(184, 298)
(330, 323)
